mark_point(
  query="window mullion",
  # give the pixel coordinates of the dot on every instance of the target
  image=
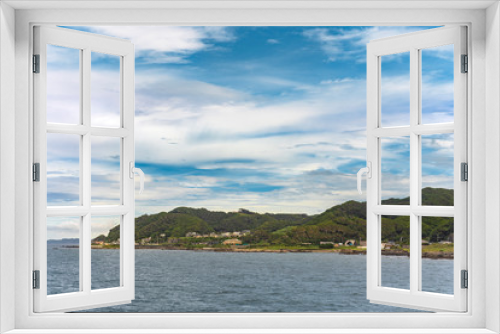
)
(414, 170)
(82, 193)
(85, 161)
(372, 184)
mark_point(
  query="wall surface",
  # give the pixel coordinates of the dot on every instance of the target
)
(7, 159)
(492, 163)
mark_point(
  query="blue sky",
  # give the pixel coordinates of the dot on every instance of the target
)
(271, 119)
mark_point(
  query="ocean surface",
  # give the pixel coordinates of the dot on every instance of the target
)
(194, 281)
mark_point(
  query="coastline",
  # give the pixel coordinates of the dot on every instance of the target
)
(350, 251)
(344, 251)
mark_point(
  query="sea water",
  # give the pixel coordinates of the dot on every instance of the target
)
(204, 281)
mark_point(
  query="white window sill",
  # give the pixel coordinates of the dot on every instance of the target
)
(251, 331)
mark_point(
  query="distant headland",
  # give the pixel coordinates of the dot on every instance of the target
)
(342, 229)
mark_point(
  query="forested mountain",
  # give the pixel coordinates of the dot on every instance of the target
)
(339, 223)
(242, 220)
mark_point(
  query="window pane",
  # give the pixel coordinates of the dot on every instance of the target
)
(63, 85)
(395, 246)
(63, 169)
(105, 251)
(395, 168)
(106, 170)
(437, 254)
(437, 84)
(63, 255)
(437, 169)
(395, 94)
(105, 90)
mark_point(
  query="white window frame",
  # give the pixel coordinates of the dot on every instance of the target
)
(483, 100)
(413, 43)
(86, 297)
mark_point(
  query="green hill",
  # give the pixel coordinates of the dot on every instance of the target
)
(170, 224)
(243, 219)
(339, 223)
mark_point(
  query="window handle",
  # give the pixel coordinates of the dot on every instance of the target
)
(135, 170)
(368, 171)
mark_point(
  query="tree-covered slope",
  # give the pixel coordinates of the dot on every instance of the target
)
(243, 219)
(169, 224)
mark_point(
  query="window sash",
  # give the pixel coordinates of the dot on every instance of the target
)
(85, 297)
(414, 298)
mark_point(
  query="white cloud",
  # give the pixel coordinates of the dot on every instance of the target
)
(105, 97)
(330, 44)
(337, 80)
(202, 126)
(62, 57)
(63, 227)
(350, 43)
(302, 194)
(63, 93)
(437, 181)
(273, 41)
(168, 44)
